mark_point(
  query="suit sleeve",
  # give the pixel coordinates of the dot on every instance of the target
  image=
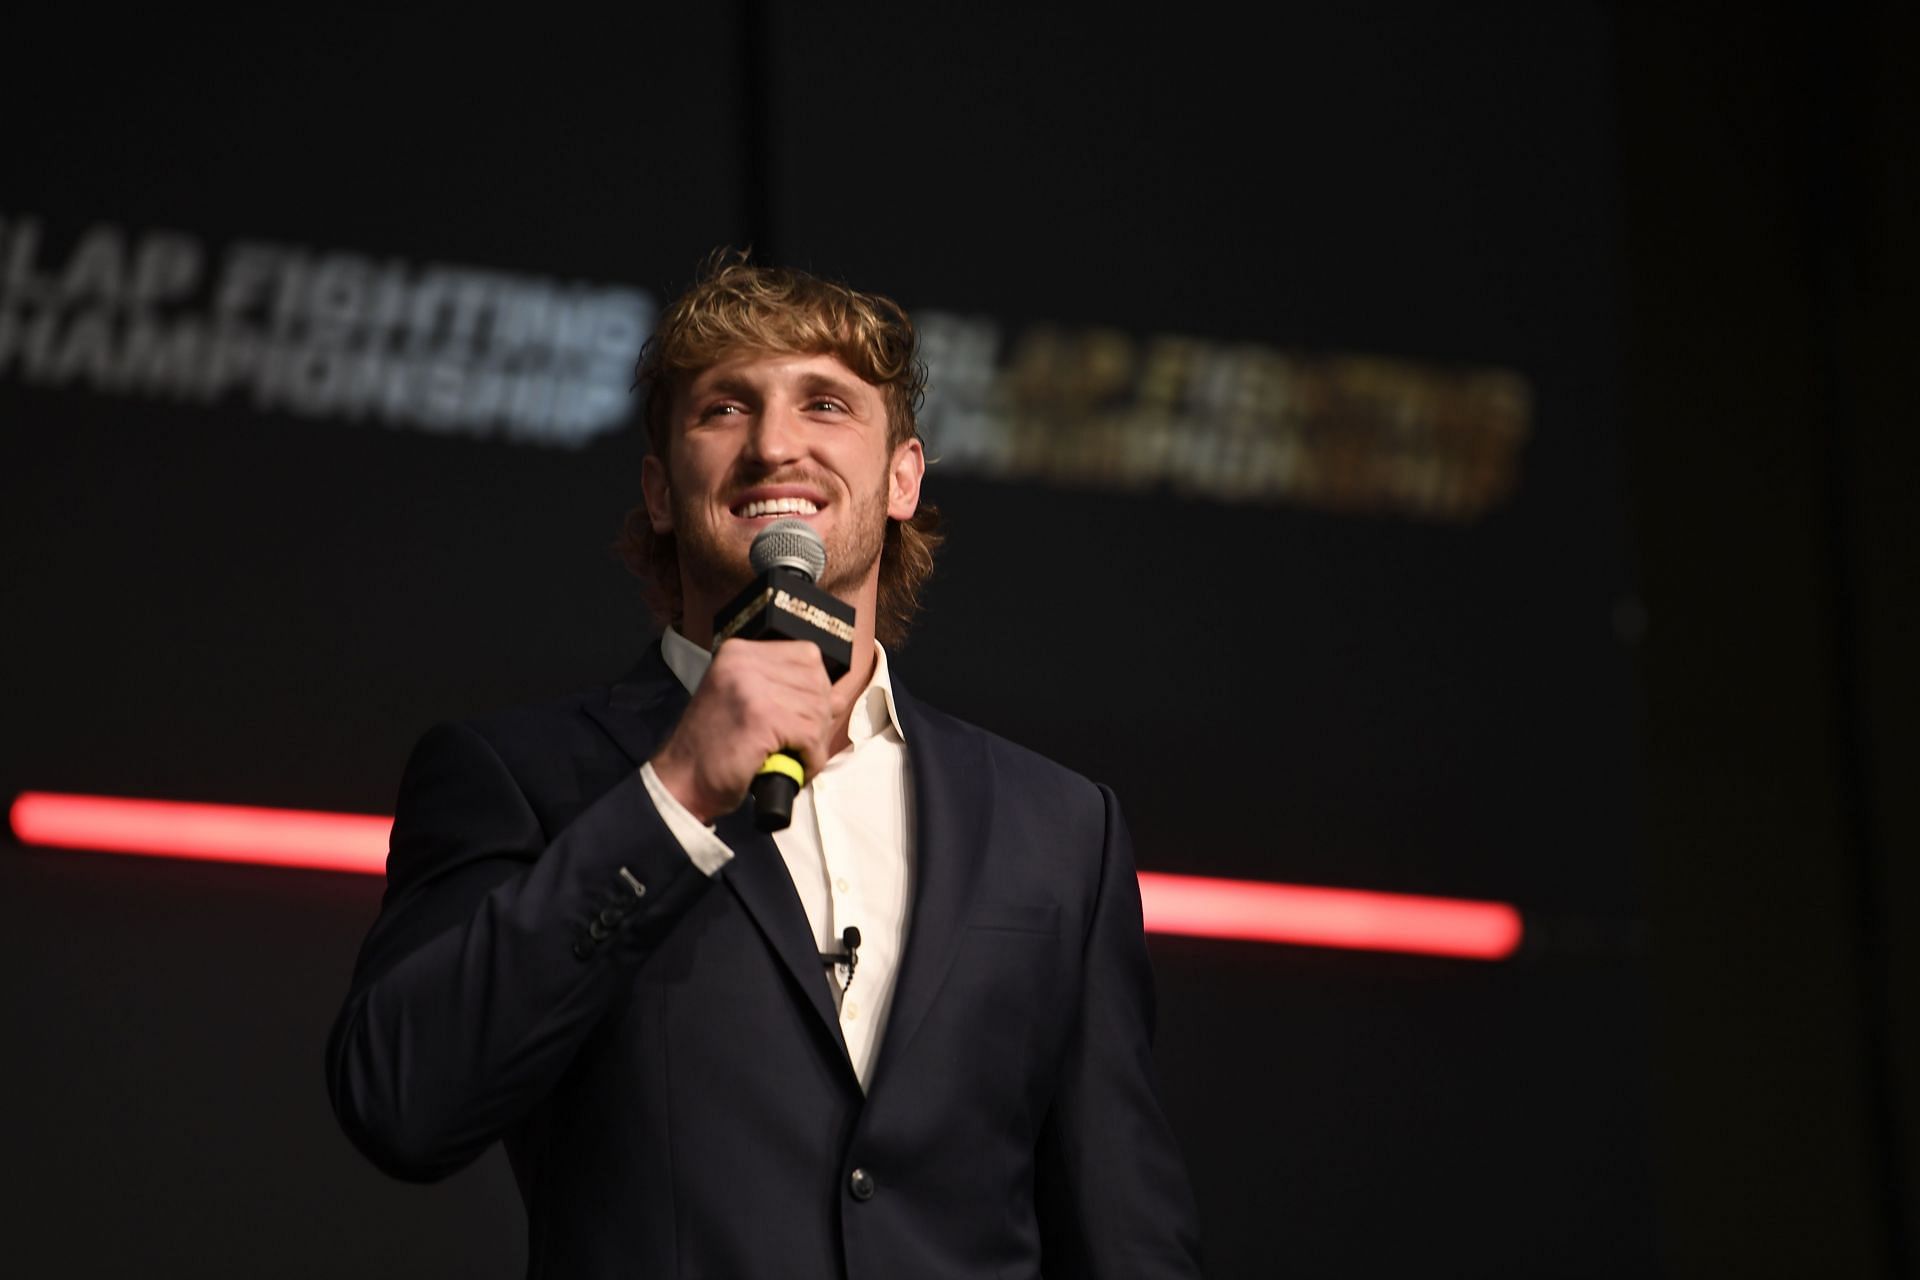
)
(1112, 1192)
(495, 953)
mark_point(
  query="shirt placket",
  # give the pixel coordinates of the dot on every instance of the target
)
(845, 887)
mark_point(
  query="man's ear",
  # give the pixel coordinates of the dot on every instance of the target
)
(653, 486)
(903, 480)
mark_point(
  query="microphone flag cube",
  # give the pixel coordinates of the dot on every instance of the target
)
(783, 604)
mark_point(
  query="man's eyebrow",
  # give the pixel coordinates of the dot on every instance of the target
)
(849, 388)
(723, 385)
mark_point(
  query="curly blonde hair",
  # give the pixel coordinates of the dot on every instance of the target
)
(735, 305)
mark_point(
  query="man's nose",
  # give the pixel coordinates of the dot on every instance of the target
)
(777, 434)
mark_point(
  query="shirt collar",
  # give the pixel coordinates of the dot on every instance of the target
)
(873, 710)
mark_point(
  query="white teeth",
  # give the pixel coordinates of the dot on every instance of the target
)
(779, 507)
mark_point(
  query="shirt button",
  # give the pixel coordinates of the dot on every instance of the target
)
(840, 885)
(852, 1011)
(860, 1182)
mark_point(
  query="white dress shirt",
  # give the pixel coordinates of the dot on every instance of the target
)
(849, 848)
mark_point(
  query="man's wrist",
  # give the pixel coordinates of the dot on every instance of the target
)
(703, 847)
(677, 775)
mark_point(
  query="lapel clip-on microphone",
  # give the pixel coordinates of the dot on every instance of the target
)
(783, 603)
(850, 956)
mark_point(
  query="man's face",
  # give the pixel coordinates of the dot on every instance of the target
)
(765, 436)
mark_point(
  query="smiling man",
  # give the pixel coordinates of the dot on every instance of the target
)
(587, 951)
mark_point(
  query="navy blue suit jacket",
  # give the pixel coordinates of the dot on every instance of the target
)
(666, 1068)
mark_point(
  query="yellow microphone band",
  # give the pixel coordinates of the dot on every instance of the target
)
(781, 762)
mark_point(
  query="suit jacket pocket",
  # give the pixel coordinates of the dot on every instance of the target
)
(1006, 917)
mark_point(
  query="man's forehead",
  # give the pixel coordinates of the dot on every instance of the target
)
(749, 367)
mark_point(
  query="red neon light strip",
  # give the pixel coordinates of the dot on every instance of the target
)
(209, 832)
(1193, 906)
(1257, 911)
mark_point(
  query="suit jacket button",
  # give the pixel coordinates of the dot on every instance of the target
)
(611, 917)
(860, 1182)
(596, 931)
(582, 950)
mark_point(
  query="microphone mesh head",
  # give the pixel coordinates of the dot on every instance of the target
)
(789, 544)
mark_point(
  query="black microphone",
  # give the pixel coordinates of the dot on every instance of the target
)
(850, 939)
(782, 603)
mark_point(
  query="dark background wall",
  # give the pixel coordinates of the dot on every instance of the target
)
(1771, 199)
(1653, 695)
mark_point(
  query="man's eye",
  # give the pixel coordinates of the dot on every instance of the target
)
(833, 405)
(715, 411)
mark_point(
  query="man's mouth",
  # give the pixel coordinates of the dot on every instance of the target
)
(776, 507)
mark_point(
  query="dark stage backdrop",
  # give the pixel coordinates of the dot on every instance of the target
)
(1276, 405)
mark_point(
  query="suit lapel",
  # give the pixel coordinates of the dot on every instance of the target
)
(758, 877)
(953, 807)
(642, 708)
(638, 713)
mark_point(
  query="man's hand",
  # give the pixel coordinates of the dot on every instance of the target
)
(758, 697)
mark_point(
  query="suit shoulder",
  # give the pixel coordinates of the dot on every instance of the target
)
(1019, 764)
(534, 720)
(526, 736)
(576, 717)
(557, 755)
